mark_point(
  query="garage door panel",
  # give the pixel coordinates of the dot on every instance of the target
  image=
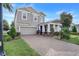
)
(27, 30)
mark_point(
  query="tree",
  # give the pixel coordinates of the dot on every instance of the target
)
(7, 6)
(12, 32)
(12, 24)
(5, 25)
(74, 29)
(66, 20)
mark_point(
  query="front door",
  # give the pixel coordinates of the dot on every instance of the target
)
(41, 30)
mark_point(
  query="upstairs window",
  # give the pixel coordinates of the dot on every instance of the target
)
(24, 16)
(35, 19)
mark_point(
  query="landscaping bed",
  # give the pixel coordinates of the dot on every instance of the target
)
(73, 39)
(18, 48)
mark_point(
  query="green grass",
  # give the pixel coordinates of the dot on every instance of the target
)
(18, 48)
(74, 39)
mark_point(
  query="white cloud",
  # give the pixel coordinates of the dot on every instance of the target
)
(13, 5)
(8, 15)
(50, 19)
(76, 20)
(26, 5)
(73, 14)
(59, 12)
(30, 5)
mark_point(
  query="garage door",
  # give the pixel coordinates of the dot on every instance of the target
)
(27, 30)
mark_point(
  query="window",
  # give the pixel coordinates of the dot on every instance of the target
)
(56, 25)
(24, 15)
(60, 26)
(46, 26)
(51, 28)
(35, 18)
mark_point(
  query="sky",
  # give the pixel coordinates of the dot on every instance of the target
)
(51, 10)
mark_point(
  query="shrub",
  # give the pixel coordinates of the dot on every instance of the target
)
(56, 33)
(8, 33)
(18, 34)
(12, 32)
(74, 33)
(65, 34)
(38, 32)
(74, 29)
(7, 37)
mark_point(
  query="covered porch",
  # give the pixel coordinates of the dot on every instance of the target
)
(48, 28)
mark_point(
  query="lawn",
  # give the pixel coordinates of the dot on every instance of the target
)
(74, 39)
(18, 48)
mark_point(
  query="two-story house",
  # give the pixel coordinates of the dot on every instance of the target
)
(27, 20)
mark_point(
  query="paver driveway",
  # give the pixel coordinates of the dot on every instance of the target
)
(50, 46)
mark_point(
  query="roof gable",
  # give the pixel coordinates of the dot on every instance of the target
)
(30, 9)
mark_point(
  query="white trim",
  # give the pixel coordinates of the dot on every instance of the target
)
(28, 26)
(48, 29)
(43, 29)
(19, 28)
(15, 19)
(20, 10)
(24, 12)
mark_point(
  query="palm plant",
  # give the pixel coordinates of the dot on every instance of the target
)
(7, 6)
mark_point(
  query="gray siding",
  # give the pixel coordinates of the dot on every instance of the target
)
(29, 18)
(28, 22)
(19, 14)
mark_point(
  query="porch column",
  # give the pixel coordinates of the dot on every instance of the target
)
(43, 29)
(48, 29)
(39, 27)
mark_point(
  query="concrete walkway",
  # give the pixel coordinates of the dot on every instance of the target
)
(49, 46)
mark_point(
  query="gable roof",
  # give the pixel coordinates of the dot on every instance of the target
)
(54, 21)
(30, 9)
(42, 13)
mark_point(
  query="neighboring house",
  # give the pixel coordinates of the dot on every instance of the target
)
(77, 27)
(27, 20)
